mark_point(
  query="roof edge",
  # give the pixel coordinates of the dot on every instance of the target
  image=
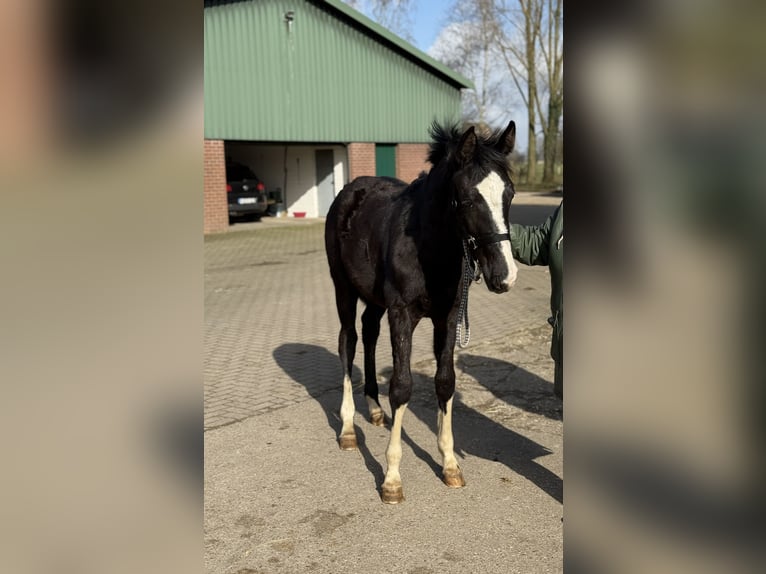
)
(397, 41)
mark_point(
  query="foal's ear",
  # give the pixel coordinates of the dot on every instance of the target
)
(508, 139)
(467, 147)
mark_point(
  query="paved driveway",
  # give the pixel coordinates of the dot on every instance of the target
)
(269, 299)
(280, 496)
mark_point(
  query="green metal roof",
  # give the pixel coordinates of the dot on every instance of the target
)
(329, 75)
(386, 34)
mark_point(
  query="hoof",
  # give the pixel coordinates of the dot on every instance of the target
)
(391, 494)
(347, 442)
(378, 419)
(454, 478)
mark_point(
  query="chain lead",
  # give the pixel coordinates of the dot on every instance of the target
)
(469, 274)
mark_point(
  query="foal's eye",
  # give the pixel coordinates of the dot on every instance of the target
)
(466, 204)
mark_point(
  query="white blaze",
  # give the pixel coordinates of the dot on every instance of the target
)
(491, 189)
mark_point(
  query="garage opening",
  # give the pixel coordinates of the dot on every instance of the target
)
(299, 179)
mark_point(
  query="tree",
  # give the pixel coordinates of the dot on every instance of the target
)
(550, 40)
(506, 32)
(529, 38)
(518, 30)
(523, 39)
(466, 47)
(391, 14)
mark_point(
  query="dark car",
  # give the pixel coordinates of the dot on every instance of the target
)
(246, 193)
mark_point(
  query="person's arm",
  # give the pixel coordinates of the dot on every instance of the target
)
(529, 243)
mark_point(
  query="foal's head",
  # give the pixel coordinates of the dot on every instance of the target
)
(481, 190)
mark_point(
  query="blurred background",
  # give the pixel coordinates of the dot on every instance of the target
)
(102, 307)
(664, 273)
(101, 218)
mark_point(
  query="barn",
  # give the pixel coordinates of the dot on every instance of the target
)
(310, 94)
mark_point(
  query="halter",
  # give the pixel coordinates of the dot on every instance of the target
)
(490, 238)
(471, 244)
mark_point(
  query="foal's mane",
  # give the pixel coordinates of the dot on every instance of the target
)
(446, 137)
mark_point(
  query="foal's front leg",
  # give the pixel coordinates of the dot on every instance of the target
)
(444, 348)
(400, 391)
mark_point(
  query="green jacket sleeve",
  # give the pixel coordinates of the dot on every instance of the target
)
(530, 244)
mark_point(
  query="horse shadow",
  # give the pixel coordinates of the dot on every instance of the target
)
(480, 436)
(320, 372)
(513, 384)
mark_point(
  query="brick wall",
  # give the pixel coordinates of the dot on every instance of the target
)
(216, 208)
(361, 160)
(411, 160)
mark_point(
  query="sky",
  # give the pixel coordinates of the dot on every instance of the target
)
(428, 19)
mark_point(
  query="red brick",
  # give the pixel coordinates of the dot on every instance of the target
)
(361, 160)
(216, 210)
(411, 159)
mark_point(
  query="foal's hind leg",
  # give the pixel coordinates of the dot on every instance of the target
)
(345, 300)
(444, 348)
(400, 391)
(370, 332)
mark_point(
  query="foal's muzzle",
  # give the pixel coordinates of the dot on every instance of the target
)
(497, 264)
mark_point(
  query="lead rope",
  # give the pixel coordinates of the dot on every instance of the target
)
(462, 313)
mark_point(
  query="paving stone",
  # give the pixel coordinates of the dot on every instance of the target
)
(271, 328)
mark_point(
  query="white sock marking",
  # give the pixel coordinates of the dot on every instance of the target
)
(445, 440)
(394, 450)
(347, 407)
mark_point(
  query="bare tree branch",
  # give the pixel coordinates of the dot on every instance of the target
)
(392, 14)
(523, 38)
